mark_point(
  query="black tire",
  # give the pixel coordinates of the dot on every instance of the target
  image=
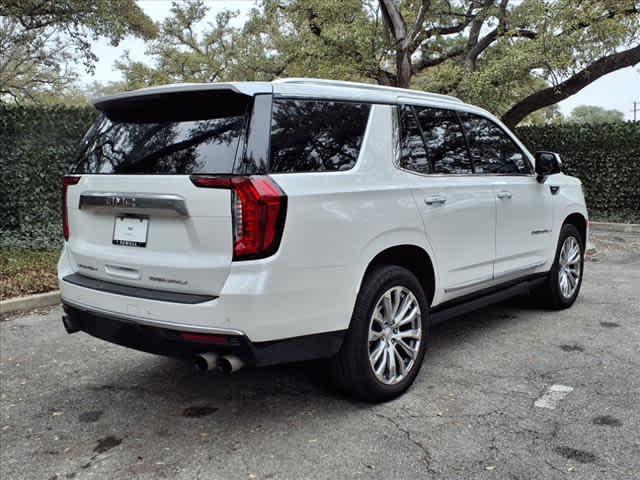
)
(549, 294)
(351, 370)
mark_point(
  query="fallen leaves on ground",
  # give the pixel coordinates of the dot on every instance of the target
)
(25, 272)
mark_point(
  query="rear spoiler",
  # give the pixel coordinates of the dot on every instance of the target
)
(185, 101)
(239, 88)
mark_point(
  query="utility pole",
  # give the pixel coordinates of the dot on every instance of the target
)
(636, 109)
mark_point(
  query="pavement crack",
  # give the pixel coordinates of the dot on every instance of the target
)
(426, 454)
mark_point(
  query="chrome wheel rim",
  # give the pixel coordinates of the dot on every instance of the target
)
(395, 335)
(570, 267)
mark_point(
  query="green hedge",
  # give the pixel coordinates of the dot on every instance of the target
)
(605, 157)
(37, 144)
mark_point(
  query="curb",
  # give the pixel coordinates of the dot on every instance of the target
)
(29, 302)
(615, 227)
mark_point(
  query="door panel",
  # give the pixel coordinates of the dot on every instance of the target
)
(523, 224)
(459, 220)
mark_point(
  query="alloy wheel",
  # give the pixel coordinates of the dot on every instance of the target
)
(395, 334)
(570, 267)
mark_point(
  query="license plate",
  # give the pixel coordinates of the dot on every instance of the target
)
(131, 231)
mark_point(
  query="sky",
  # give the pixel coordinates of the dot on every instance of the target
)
(617, 90)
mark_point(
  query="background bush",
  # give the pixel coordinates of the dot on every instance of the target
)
(37, 144)
(606, 157)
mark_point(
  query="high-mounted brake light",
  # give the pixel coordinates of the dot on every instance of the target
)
(258, 209)
(67, 180)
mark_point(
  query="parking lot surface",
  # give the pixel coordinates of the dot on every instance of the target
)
(508, 392)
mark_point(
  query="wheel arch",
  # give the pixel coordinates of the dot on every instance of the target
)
(412, 257)
(580, 222)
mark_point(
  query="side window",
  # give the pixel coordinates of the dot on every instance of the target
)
(413, 155)
(444, 140)
(493, 151)
(316, 136)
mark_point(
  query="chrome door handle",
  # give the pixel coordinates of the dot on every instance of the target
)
(504, 194)
(435, 200)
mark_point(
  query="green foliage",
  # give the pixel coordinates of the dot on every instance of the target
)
(495, 53)
(36, 146)
(593, 114)
(41, 40)
(605, 157)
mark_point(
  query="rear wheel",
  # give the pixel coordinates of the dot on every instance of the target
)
(385, 345)
(565, 278)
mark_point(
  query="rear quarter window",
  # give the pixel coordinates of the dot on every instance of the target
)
(316, 135)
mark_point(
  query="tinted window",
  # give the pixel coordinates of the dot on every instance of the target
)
(316, 136)
(446, 147)
(151, 136)
(493, 151)
(413, 155)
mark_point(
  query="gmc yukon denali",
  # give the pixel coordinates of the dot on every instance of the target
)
(255, 223)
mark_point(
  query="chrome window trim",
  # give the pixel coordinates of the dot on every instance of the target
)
(527, 154)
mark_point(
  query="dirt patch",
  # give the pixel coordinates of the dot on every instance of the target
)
(581, 456)
(90, 417)
(107, 443)
(607, 420)
(609, 324)
(572, 347)
(198, 411)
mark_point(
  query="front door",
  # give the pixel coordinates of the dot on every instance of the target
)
(523, 225)
(523, 206)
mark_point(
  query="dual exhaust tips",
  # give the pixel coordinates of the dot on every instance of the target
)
(205, 362)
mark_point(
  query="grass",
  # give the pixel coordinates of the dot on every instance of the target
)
(25, 272)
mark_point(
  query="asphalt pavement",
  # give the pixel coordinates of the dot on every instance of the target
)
(508, 392)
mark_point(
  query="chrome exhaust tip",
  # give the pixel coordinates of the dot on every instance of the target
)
(204, 362)
(229, 364)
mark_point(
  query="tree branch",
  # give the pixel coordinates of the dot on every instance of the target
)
(395, 21)
(572, 85)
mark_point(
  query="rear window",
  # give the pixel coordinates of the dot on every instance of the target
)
(189, 133)
(316, 136)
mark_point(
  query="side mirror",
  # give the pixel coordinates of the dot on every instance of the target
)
(547, 163)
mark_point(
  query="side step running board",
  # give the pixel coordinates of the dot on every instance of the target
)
(478, 300)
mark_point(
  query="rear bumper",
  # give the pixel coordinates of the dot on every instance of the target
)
(166, 339)
(261, 299)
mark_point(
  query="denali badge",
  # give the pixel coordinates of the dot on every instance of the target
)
(168, 280)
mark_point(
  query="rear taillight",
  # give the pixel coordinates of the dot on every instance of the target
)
(258, 209)
(66, 181)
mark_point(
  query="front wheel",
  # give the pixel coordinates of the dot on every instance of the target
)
(563, 283)
(385, 345)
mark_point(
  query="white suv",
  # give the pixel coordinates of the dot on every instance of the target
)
(256, 223)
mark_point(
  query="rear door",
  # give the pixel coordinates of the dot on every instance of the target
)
(457, 208)
(523, 205)
(135, 217)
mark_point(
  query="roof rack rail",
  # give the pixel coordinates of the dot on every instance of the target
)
(367, 86)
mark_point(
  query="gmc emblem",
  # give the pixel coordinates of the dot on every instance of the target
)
(121, 202)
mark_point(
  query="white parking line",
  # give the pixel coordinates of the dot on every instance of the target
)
(552, 396)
